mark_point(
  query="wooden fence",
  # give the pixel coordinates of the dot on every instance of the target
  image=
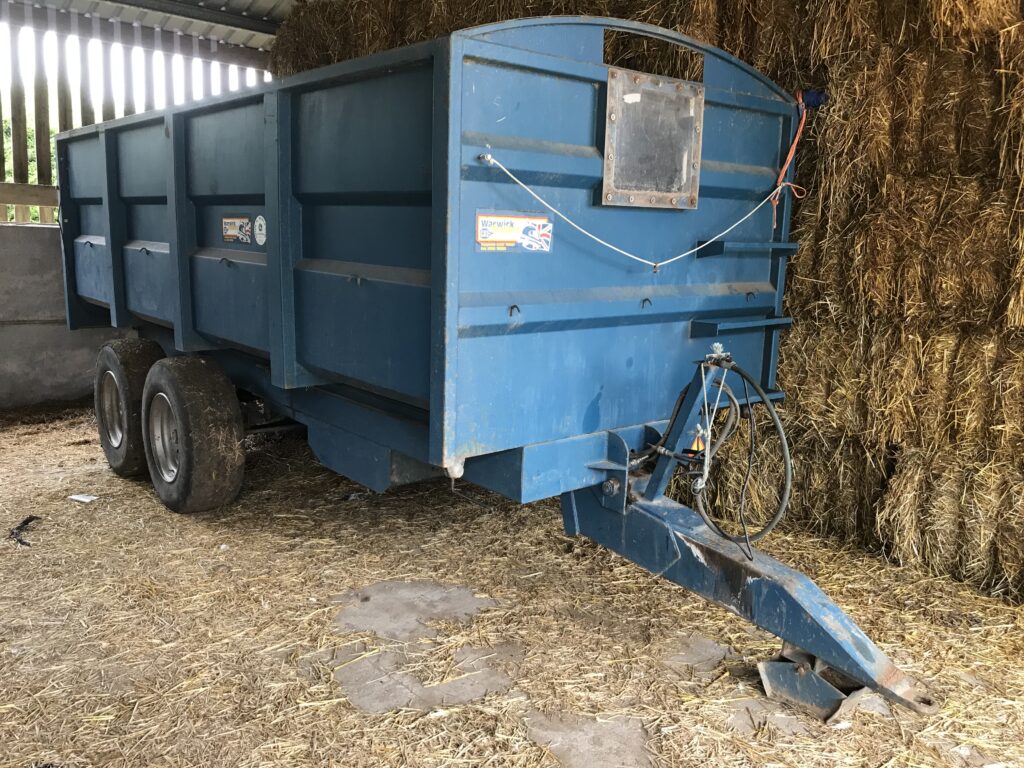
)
(58, 104)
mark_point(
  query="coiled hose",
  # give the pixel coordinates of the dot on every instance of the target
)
(787, 462)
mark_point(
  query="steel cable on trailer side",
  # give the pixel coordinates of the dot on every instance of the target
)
(490, 159)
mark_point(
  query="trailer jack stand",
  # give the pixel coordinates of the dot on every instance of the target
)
(672, 541)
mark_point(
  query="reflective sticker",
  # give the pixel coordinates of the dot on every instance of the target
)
(514, 231)
(259, 230)
(237, 229)
(698, 445)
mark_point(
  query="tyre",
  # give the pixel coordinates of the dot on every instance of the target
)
(192, 430)
(121, 369)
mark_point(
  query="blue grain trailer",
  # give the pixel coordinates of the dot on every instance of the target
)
(492, 256)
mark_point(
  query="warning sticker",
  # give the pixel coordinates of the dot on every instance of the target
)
(259, 230)
(516, 231)
(237, 229)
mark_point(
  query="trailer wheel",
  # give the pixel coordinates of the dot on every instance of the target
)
(121, 368)
(192, 426)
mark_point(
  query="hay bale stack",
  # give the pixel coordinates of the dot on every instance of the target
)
(917, 261)
(1010, 137)
(905, 368)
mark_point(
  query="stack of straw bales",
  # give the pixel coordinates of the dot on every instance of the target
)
(905, 368)
(905, 365)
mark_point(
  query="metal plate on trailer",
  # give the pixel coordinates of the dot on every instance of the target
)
(652, 140)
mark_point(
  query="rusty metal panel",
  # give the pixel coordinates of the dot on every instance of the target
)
(652, 140)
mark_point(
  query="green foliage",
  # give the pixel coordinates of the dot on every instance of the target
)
(7, 211)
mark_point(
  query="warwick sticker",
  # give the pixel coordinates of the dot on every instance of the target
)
(513, 232)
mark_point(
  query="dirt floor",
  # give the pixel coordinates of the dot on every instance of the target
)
(312, 623)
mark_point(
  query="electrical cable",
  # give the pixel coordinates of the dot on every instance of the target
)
(748, 550)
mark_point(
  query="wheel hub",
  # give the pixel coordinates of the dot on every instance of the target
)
(163, 437)
(111, 416)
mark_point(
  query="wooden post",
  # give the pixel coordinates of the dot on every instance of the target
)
(41, 108)
(85, 86)
(169, 77)
(64, 116)
(128, 69)
(224, 83)
(192, 86)
(199, 89)
(208, 75)
(19, 127)
(106, 94)
(145, 71)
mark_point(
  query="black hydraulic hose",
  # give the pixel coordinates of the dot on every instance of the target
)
(787, 465)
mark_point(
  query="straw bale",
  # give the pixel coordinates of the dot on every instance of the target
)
(909, 75)
(731, 490)
(842, 27)
(938, 355)
(737, 27)
(980, 239)
(892, 386)
(1008, 406)
(971, 254)
(854, 132)
(838, 251)
(804, 285)
(898, 521)
(903, 23)
(1010, 128)
(968, 20)
(698, 20)
(1015, 243)
(835, 481)
(779, 50)
(972, 396)
(931, 250)
(945, 87)
(838, 487)
(823, 367)
(976, 124)
(892, 268)
(695, 18)
(322, 32)
(1009, 536)
(940, 518)
(987, 494)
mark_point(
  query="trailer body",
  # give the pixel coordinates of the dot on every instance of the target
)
(324, 229)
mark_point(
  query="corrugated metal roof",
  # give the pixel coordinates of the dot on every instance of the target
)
(273, 11)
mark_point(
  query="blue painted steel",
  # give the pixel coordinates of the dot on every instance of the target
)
(369, 313)
(370, 282)
(672, 541)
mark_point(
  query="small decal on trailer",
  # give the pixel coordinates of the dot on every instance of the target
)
(237, 229)
(259, 230)
(513, 231)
